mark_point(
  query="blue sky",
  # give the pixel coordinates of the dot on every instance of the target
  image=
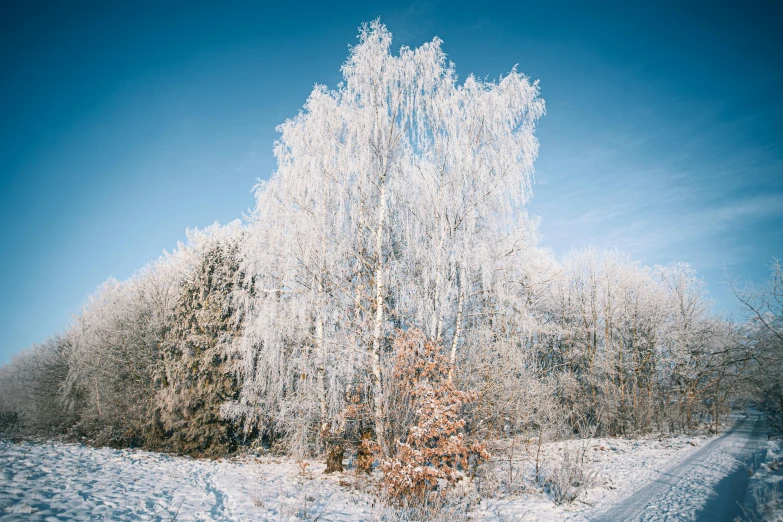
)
(123, 123)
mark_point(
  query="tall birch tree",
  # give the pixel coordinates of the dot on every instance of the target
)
(397, 200)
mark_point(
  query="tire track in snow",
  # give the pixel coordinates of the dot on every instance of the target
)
(687, 490)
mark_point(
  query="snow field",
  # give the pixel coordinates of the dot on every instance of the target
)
(55, 481)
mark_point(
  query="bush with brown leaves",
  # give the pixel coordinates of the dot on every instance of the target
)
(436, 452)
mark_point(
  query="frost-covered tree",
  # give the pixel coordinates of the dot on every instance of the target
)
(764, 339)
(707, 360)
(197, 373)
(114, 355)
(31, 387)
(143, 363)
(634, 348)
(398, 202)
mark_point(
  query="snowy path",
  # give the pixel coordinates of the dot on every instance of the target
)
(709, 485)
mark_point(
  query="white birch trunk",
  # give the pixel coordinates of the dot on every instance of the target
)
(378, 322)
(458, 325)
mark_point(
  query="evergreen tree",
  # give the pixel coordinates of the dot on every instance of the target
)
(198, 372)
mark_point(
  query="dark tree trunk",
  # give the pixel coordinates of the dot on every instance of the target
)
(334, 458)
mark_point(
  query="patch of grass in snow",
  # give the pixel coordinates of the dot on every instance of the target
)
(572, 476)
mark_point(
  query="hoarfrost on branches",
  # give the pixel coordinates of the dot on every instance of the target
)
(398, 202)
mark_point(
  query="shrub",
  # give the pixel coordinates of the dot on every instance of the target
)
(436, 453)
(569, 478)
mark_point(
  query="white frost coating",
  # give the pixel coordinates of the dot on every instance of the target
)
(395, 193)
(113, 345)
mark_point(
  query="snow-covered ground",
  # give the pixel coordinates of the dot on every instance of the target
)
(51, 481)
(619, 466)
(68, 481)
